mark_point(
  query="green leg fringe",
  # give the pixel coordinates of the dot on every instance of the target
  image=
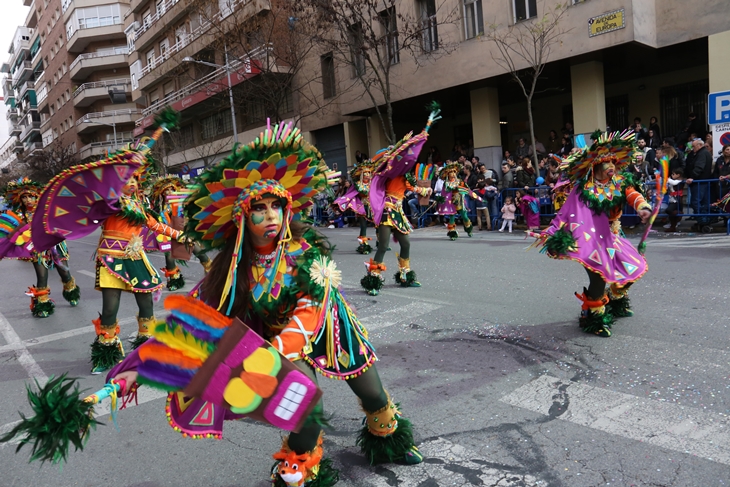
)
(452, 234)
(175, 283)
(620, 308)
(104, 357)
(364, 249)
(73, 296)
(597, 324)
(328, 475)
(410, 280)
(372, 283)
(139, 340)
(43, 310)
(395, 448)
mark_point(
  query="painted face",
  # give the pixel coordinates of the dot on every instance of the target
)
(606, 170)
(365, 178)
(452, 176)
(265, 218)
(131, 187)
(29, 200)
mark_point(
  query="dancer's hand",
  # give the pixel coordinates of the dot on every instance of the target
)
(644, 215)
(130, 377)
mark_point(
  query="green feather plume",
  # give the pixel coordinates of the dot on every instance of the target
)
(73, 296)
(389, 449)
(43, 310)
(560, 243)
(60, 419)
(105, 356)
(168, 119)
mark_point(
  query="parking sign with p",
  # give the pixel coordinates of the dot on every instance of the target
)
(718, 107)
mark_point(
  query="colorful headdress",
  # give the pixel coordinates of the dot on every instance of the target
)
(614, 147)
(163, 184)
(450, 168)
(358, 168)
(14, 191)
(280, 163)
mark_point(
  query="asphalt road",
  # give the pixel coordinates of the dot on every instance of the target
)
(486, 359)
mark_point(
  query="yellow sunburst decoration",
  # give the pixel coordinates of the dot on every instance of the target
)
(323, 270)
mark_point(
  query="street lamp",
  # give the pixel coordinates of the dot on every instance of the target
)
(113, 125)
(228, 69)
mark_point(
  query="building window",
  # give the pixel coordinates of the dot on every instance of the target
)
(525, 9)
(150, 57)
(356, 47)
(389, 20)
(328, 76)
(185, 137)
(473, 18)
(429, 26)
(216, 124)
(163, 47)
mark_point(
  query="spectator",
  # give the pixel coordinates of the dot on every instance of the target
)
(692, 126)
(530, 208)
(483, 171)
(674, 191)
(508, 213)
(709, 144)
(654, 126)
(359, 157)
(456, 151)
(553, 174)
(507, 157)
(522, 150)
(553, 143)
(434, 156)
(722, 172)
(525, 175)
(638, 129)
(482, 206)
(542, 166)
(538, 147)
(676, 163)
(700, 192)
(653, 141)
(568, 129)
(649, 155)
(565, 147)
(470, 149)
(470, 180)
(507, 177)
(639, 169)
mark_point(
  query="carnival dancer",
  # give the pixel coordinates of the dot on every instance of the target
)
(16, 243)
(161, 189)
(391, 179)
(356, 199)
(587, 228)
(451, 200)
(106, 193)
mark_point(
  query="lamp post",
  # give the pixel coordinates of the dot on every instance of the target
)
(227, 67)
(113, 125)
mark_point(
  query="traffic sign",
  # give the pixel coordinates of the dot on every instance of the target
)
(718, 107)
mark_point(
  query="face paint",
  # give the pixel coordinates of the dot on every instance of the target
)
(265, 220)
(130, 188)
(29, 201)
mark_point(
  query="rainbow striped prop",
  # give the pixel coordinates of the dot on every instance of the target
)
(424, 172)
(661, 177)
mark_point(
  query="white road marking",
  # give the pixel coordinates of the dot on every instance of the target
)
(85, 272)
(451, 454)
(679, 428)
(61, 335)
(398, 315)
(24, 357)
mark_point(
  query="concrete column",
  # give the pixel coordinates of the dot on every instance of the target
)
(485, 126)
(589, 97)
(356, 139)
(376, 135)
(719, 49)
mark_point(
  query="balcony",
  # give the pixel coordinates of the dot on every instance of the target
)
(12, 158)
(88, 93)
(25, 87)
(8, 91)
(152, 24)
(35, 148)
(28, 107)
(23, 72)
(12, 114)
(97, 149)
(87, 63)
(41, 94)
(92, 121)
(15, 129)
(85, 35)
(18, 148)
(30, 129)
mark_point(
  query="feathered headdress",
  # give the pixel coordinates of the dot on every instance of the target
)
(14, 190)
(614, 147)
(450, 168)
(279, 163)
(163, 184)
(358, 168)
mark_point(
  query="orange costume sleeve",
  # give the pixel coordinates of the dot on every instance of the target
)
(161, 228)
(636, 200)
(296, 335)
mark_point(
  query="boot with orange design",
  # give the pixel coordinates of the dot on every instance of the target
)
(41, 304)
(387, 437)
(175, 279)
(106, 351)
(619, 305)
(306, 469)
(594, 317)
(363, 247)
(373, 280)
(452, 233)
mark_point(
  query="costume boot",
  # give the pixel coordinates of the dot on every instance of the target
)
(618, 304)
(452, 233)
(364, 247)
(175, 280)
(387, 437)
(468, 227)
(143, 331)
(306, 469)
(405, 276)
(594, 317)
(71, 292)
(41, 304)
(373, 281)
(106, 351)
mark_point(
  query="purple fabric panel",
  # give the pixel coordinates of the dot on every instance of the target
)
(217, 385)
(130, 362)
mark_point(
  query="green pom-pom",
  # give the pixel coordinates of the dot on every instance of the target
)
(598, 324)
(439, 199)
(60, 419)
(620, 308)
(452, 234)
(560, 243)
(104, 357)
(410, 280)
(642, 248)
(73, 296)
(372, 282)
(389, 449)
(168, 119)
(43, 310)
(139, 340)
(434, 106)
(175, 283)
(364, 248)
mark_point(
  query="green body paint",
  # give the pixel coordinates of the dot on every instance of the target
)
(257, 219)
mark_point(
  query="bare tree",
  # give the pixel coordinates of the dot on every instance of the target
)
(371, 37)
(179, 146)
(524, 49)
(54, 159)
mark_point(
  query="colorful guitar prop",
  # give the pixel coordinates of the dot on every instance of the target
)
(660, 176)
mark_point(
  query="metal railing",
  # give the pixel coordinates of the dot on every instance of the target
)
(34, 146)
(102, 84)
(28, 85)
(147, 23)
(33, 126)
(65, 4)
(77, 29)
(92, 117)
(103, 53)
(41, 94)
(187, 39)
(12, 112)
(24, 66)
